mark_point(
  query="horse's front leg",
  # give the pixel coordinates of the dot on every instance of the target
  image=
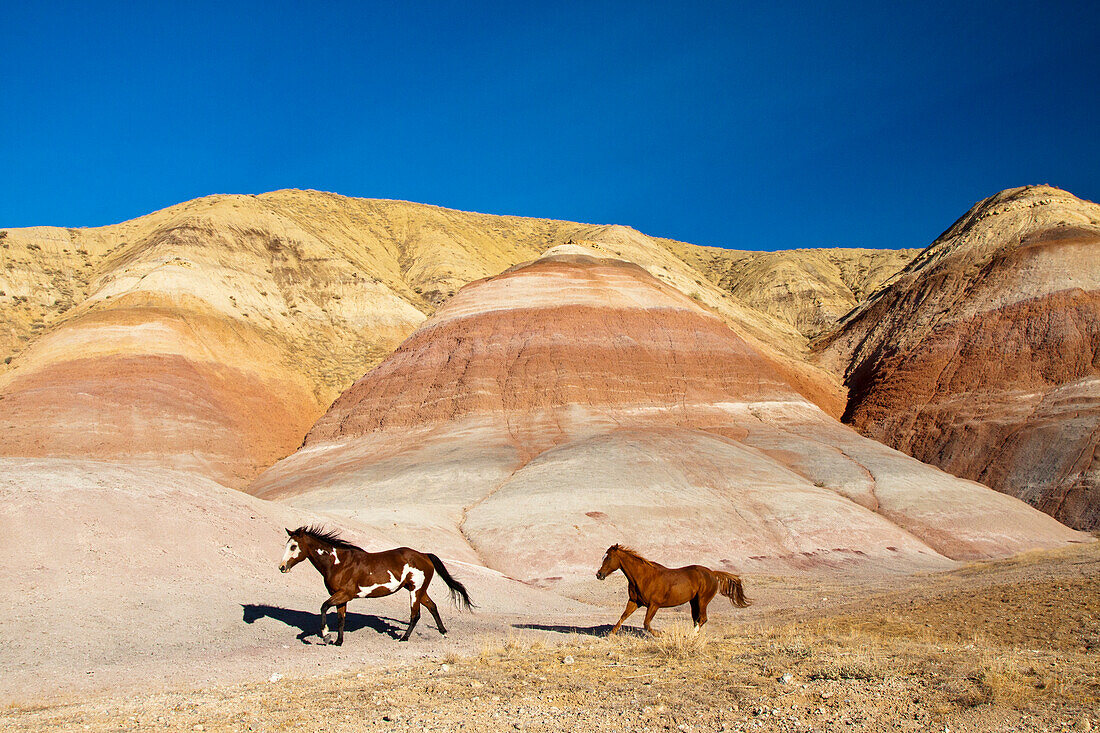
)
(631, 607)
(650, 612)
(324, 612)
(341, 611)
(339, 600)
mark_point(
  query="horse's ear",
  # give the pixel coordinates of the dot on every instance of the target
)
(287, 531)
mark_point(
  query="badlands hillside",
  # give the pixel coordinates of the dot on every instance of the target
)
(983, 354)
(513, 394)
(211, 335)
(575, 401)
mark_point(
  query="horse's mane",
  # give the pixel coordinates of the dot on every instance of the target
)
(329, 536)
(635, 554)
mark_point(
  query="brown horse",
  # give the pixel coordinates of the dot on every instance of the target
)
(352, 572)
(655, 586)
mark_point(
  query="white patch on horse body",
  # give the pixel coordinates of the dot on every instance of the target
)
(292, 551)
(394, 582)
(417, 577)
(335, 557)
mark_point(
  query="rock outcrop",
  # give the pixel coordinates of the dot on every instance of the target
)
(211, 335)
(576, 401)
(811, 289)
(982, 356)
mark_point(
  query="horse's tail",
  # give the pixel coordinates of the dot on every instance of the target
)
(459, 596)
(729, 585)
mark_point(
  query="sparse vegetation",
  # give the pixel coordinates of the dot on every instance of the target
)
(918, 659)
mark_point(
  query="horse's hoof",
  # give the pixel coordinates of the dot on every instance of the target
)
(338, 642)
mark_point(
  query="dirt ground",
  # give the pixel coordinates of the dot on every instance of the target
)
(1012, 645)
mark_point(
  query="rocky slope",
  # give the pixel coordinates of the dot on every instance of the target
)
(576, 401)
(211, 335)
(811, 289)
(983, 354)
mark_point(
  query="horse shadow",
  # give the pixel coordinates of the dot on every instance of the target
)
(310, 623)
(600, 630)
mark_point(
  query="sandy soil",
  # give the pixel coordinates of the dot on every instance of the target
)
(1009, 645)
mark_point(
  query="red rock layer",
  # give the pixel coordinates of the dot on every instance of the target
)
(577, 401)
(158, 410)
(980, 398)
(983, 356)
(202, 397)
(651, 349)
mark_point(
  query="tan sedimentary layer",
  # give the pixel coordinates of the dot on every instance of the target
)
(811, 289)
(294, 293)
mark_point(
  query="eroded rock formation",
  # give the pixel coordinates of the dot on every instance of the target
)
(983, 355)
(576, 401)
(211, 335)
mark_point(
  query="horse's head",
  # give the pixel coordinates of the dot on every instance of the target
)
(294, 553)
(610, 563)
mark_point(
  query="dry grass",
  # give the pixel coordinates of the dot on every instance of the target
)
(901, 661)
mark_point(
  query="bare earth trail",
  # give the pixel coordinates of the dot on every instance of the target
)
(1006, 645)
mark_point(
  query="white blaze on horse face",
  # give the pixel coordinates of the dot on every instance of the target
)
(292, 551)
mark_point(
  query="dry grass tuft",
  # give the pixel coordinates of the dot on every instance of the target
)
(675, 641)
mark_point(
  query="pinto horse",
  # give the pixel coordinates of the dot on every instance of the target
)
(352, 572)
(654, 586)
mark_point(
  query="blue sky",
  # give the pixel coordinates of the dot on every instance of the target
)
(748, 125)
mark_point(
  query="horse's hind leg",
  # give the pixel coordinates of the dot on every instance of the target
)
(430, 605)
(699, 608)
(414, 616)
